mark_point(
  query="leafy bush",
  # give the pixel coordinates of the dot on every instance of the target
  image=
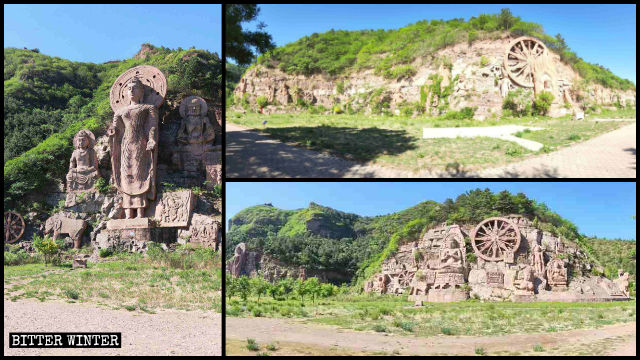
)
(542, 102)
(104, 187)
(252, 345)
(400, 72)
(106, 252)
(19, 257)
(262, 101)
(72, 294)
(49, 248)
(518, 102)
(465, 114)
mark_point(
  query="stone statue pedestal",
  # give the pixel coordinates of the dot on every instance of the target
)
(522, 296)
(135, 223)
(418, 299)
(447, 295)
(559, 288)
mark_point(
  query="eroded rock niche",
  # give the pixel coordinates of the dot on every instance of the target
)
(143, 181)
(509, 260)
(478, 76)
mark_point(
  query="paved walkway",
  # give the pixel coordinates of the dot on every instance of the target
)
(504, 132)
(611, 155)
(249, 154)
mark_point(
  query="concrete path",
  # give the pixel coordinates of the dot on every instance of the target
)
(503, 132)
(611, 155)
(249, 154)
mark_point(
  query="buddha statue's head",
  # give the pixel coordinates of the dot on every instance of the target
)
(193, 107)
(451, 243)
(81, 140)
(136, 90)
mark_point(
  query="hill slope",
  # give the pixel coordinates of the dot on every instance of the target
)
(48, 99)
(430, 67)
(338, 52)
(321, 238)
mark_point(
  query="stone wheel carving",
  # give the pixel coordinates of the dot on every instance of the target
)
(405, 278)
(495, 236)
(520, 59)
(13, 227)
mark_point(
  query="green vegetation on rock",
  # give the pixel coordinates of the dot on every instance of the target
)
(390, 52)
(48, 100)
(321, 238)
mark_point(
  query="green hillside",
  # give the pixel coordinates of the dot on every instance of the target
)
(390, 52)
(322, 238)
(615, 254)
(48, 99)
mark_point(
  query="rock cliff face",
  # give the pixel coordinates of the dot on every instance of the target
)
(252, 263)
(499, 259)
(458, 76)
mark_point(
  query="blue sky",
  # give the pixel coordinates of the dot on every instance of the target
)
(597, 208)
(99, 33)
(599, 33)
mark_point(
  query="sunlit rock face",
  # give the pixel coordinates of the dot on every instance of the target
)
(504, 258)
(480, 75)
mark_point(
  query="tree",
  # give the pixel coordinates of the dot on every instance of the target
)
(312, 287)
(327, 290)
(239, 43)
(300, 289)
(243, 287)
(285, 286)
(230, 287)
(506, 20)
(259, 286)
(561, 44)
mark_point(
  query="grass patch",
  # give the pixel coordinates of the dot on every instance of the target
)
(480, 351)
(184, 280)
(396, 141)
(392, 314)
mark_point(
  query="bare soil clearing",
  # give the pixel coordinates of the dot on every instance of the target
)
(169, 332)
(270, 330)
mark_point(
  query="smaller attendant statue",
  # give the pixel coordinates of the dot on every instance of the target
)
(83, 166)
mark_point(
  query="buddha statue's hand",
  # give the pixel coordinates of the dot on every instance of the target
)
(151, 145)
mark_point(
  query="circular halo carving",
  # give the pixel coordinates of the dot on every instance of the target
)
(493, 237)
(405, 278)
(521, 57)
(13, 227)
(155, 88)
(183, 106)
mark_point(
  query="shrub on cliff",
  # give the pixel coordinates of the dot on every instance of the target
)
(542, 103)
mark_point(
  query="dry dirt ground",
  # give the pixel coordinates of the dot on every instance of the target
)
(164, 333)
(249, 155)
(323, 340)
